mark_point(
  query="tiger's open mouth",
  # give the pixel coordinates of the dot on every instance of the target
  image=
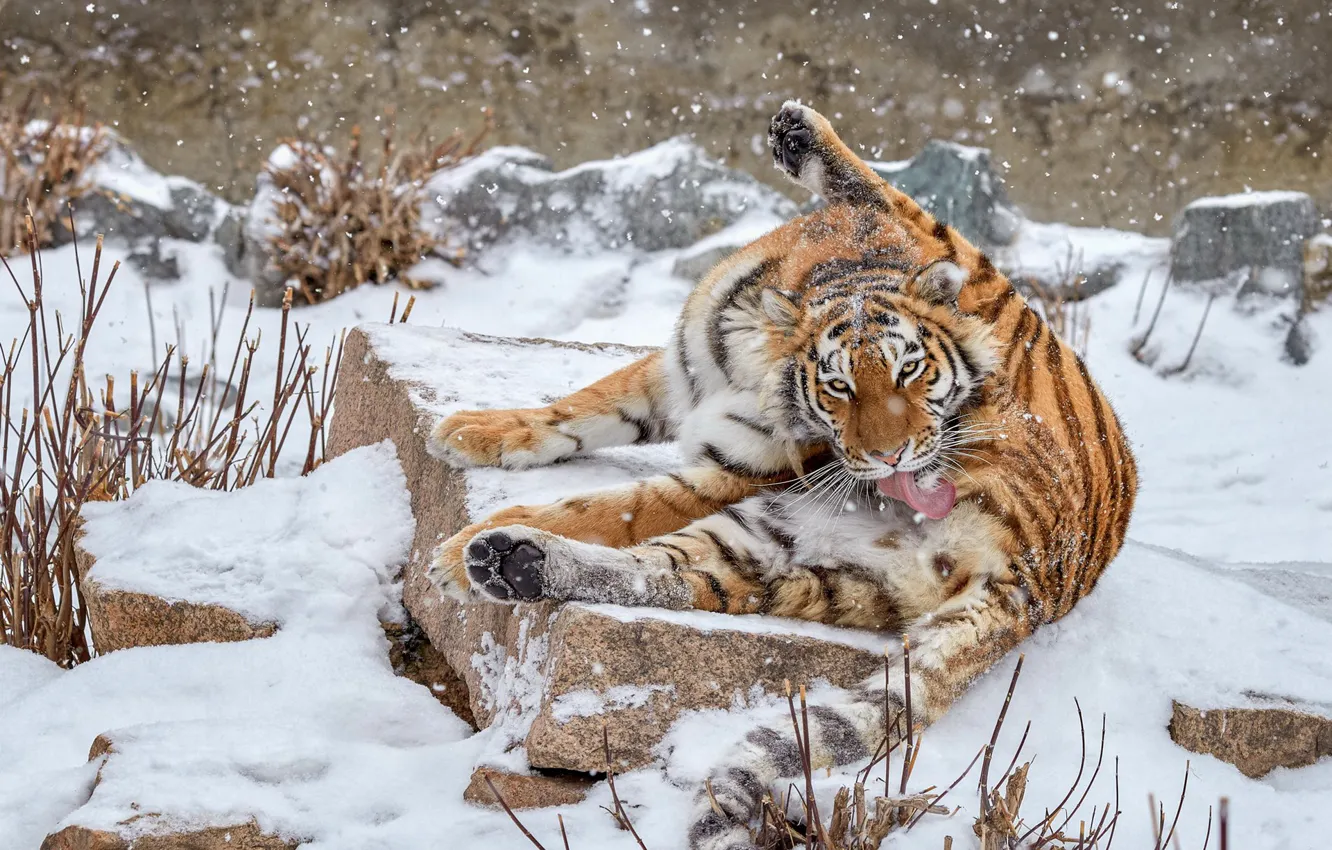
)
(935, 503)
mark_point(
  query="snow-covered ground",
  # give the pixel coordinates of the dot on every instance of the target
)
(311, 727)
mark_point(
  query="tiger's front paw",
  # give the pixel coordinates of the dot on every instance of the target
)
(508, 564)
(512, 439)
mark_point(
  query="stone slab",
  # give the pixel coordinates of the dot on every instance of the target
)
(1255, 740)
(527, 791)
(121, 619)
(552, 675)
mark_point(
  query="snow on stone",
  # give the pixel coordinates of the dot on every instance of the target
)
(279, 551)
(589, 703)
(121, 171)
(514, 685)
(758, 624)
(308, 730)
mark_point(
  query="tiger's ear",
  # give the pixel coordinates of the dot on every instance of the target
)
(939, 283)
(780, 309)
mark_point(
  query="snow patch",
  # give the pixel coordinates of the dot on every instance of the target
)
(279, 551)
(589, 703)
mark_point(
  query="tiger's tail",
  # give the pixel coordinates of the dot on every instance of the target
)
(733, 795)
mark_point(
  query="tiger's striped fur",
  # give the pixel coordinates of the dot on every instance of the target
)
(860, 340)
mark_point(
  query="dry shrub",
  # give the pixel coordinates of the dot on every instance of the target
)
(43, 166)
(80, 443)
(342, 221)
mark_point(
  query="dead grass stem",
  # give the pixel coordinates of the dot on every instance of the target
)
(72, 442)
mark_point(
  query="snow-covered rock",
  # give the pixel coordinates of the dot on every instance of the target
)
(958, 185)
(129, 201)
(543, 676)
(668, 196)
(181, 564)
(241, 836)
(1253, 240)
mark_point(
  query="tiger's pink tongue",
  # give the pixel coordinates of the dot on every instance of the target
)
(935, 503)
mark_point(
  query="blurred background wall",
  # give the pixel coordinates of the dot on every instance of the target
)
(1099, 113)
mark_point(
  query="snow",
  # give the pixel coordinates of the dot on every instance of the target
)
(754, 624)
(1249, 199)
(512, 684)
(281, 551)
(1224, 593)
(121, 172)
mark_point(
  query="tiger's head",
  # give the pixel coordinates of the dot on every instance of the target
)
(880, 368)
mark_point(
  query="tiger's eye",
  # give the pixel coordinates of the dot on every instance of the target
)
(837, 385)
(909, 368)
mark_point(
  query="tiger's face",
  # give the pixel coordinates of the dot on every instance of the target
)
(881, 370)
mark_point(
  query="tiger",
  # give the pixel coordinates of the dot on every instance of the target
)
(878, 431)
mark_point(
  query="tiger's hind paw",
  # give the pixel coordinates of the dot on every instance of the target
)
(507, 565)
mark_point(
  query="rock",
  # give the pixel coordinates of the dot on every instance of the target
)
(1258, 237)
(1255, 740)
(245, 836)
(153, 831)
(668, 196)
(130, 202)
(637, 671)
(694, 266)
(550, 675)
(121, 619)
(957, 184)
(527, 791)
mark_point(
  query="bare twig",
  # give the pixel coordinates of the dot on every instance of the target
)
(1138, 346)
(1197, 335)
(508, 811)
(621, 816)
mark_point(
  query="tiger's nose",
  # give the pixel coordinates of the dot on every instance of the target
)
(890, 458)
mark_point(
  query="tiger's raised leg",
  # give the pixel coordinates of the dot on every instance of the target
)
(808, 150)
(627, 406)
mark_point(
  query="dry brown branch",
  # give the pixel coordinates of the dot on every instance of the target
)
(617, 811)
(43, 167)
(1141, 342)
(70, 443)
(1197, 336)
(343, 221)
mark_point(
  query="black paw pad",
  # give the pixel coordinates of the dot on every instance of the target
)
(503, 570)
(791, 139)
(522, 570)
